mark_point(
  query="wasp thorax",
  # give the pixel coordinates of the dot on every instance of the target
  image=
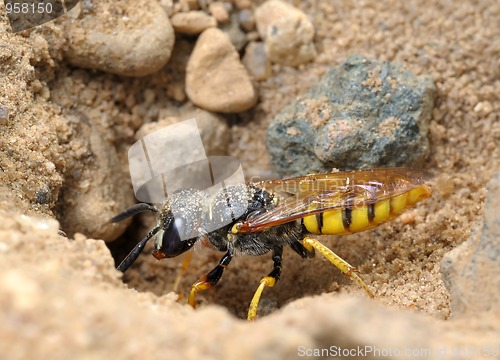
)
(226, 206)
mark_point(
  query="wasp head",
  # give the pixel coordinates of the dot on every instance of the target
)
(179, 223)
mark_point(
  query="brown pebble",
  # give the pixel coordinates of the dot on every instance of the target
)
(246, 20)
(192, 22)
(243, 4)
(287, 32)
(219, 12)
(216, 80)
(255, 60)
(137, 45)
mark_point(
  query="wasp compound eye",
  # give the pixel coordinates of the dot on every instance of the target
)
(175, 230)
(172, 243)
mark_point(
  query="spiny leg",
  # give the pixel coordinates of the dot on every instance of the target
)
(268, 281)
(340, 263)
(209, 279)
(182, 269)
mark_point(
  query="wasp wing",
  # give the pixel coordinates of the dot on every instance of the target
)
(311, 194)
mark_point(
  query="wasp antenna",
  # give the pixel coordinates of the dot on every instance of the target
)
(136, 251)
(134, 210)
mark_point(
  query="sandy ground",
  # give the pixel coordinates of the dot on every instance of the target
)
(61, 297)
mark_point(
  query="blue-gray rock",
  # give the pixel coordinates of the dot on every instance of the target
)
(471, 272)
(362, 114)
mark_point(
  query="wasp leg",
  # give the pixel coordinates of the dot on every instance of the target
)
(340, 263)
(268, 281)
(209, 279)
(182, 269)
(300, 249)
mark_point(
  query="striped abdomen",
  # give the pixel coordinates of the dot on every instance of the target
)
(352, 219)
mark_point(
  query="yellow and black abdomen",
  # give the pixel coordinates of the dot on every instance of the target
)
(359, 217)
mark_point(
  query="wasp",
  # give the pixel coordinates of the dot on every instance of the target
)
(278, 214)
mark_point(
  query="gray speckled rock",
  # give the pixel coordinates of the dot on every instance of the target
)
(362, 114)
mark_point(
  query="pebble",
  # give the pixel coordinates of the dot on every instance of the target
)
(243, 4)
(214, 131)
(484, 108)
(4, 114)
(192, 22)
(190, 4)
(44, 196)
(471, 272)
(216, 80)
(219, 11)
(246, 20)
(287, 32)
(121, 38)
(256, 62)
(361, 114)
(168, 6)
(236, 35)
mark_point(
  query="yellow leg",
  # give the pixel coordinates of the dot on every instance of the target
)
(268, 281)
(182, 270)
(198, 286)
(341, 264)
(209, 279)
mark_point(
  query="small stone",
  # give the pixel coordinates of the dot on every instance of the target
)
(253, 36)
(121, 38)
(43, 195)
(219, 12)
(256, 61)
(176, 91)
(236, 35)
(246, 20)
(287, 32)
(214, 131)
(190, 4)
(471, 272)
(168, 6)
(362, 114)
(216, 80)
(4, 114)
(243, 4)
(192, 22)
(484, 108)
(49, 166)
